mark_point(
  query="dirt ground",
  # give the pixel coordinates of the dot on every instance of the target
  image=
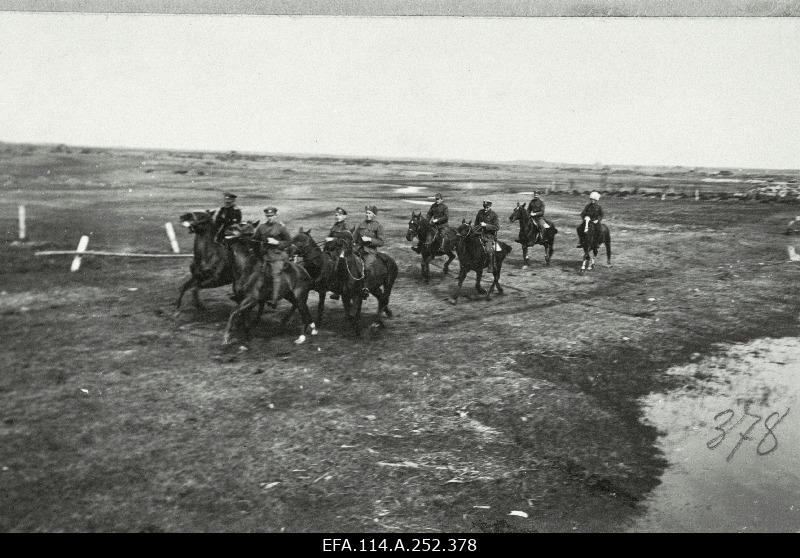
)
(118, 415)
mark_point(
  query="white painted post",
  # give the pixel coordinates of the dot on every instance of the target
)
(697, 195)
(172, 240)
(22, 230)
(76, 263)
(793, 255)
(663, 195)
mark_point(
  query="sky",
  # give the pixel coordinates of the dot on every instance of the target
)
(645, 91)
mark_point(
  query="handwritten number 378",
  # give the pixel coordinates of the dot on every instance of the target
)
(769, 441)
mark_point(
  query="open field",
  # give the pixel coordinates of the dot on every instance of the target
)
(117, 415)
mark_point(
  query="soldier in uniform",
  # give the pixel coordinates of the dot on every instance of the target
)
(369, 235)
(338, 230)
(275, 239)
(489, 224)
(227, 215)
(536, 211)
(592, 212)
(438, 216)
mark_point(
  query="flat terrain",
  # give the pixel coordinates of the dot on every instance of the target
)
(118, 415)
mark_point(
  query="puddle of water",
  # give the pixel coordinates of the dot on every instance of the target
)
(411, 190)
(718, 489)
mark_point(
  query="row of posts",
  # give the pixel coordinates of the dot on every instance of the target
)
(84, 241)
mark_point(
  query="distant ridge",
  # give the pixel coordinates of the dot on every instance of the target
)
(596, 166)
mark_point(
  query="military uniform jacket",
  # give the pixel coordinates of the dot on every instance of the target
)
(338, 228)
(593, 211)
(372, 229)
(490, 218)
(275, 230)
(439, 212)
(536, 206)
(227, 216)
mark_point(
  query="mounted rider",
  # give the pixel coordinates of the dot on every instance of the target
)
(488, 223)
(274, 239)
(369, 236)
(437, 216)
(338, 230)
(592, 212)
(536, 211)
(227, 215)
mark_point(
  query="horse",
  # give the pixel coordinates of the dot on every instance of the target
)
(442, 245)
(256, 289)
(592, 240)
(528, 234)
(318, 265)
(472, 257)
(212, 265)
(356, 282)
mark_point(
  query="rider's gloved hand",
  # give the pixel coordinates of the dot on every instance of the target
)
(366, 238)
(483, 224)
(272, 241)
(328, 239)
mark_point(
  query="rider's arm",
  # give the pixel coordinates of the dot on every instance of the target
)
(445, 217)
(377, 237)
(237, 215)
(492, 224)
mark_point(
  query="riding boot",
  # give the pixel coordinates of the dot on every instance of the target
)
(416, 249)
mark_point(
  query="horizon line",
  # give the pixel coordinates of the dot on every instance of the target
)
(407, 158)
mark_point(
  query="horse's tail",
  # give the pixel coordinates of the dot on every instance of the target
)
(505, 248)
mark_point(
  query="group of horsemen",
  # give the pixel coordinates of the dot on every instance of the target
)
(275, 238)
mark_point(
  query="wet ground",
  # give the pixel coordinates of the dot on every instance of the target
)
(732, 438)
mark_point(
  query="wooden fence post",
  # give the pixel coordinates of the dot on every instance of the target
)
(172, 240)
(76, 262)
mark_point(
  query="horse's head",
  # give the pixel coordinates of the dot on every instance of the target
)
(197, 221)
(517, 213)
(302, 242)
(413, 225)
(241, 231)
(464, 229)
(343, 241)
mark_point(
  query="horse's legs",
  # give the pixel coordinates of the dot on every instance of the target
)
(299, 299)
(235, 316)
(184, 288)
(358, 300)
(287, 316)
(446, 268)
(608, 248)
(321, 304)
(524, 255)
(478, 275)
(426, 267)
(462, 274)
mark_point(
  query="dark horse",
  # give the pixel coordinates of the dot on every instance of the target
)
(442, 244)
(473, 257)
(529, 234)
(318, 265)
(591, 241)
(256, 289)
(212, 265)
(355, 281)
